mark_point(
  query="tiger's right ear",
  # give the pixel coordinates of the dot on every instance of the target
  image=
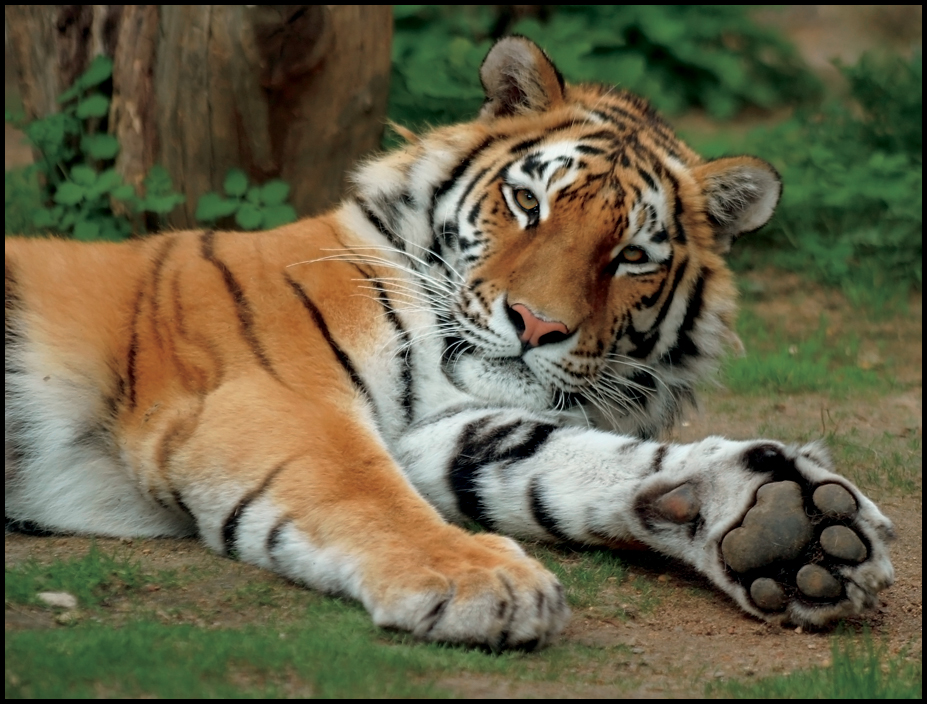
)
(519, 79)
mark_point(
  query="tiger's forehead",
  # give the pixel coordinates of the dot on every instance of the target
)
(585, 168)
(609, 123)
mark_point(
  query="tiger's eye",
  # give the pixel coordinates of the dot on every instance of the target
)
(525, 199)
(633, 254)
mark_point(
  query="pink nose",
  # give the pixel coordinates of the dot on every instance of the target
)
(535, 328)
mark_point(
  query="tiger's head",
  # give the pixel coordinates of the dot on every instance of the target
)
(574, 244)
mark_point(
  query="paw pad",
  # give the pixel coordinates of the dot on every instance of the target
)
(775, 529)
(843, 543)
(817, 582)
(788, 547)
(834, 501)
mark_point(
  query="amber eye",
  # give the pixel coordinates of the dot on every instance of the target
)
(633, 255)
(526, 200)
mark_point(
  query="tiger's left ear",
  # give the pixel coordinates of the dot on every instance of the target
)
(741, 194)
(519, 78)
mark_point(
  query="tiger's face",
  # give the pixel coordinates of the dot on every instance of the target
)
(584, 245)
(566, 254)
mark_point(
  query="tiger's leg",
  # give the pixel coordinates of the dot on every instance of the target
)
(769, 524)
(310, 491)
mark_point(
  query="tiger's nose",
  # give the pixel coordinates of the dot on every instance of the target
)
(534, 331)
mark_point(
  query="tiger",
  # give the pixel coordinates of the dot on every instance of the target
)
(485, 341)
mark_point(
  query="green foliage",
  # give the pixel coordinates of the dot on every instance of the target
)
(864, 671)
(851, 210)
(78, 185)
(254, 207)
(21, 200)
(677, 56)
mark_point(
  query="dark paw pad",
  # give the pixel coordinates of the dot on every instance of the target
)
(775, 529)
(834, 501)
(791, 544)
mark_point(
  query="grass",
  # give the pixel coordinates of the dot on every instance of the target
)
(857, 671)
(121, 644)
(152, 659)
(885, 463)
(93, 578)
(778, 362)
(582, 574)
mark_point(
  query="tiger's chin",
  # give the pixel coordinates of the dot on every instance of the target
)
(506, 380)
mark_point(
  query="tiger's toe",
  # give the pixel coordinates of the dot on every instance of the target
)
(493, 596)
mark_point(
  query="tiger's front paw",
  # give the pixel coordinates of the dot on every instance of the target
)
(811, 549)
(778, 530)
(808, 553)
(476, 589)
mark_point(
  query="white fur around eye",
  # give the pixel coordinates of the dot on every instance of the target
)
(525, 218)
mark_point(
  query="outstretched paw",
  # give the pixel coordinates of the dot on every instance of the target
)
(811, 549)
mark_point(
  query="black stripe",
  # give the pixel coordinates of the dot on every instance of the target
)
(157, 270)
(644, 342)
(475, 210)
(458, 171)
(648, 179)
(657, 464)
(273, 536)
(133, 348)
(478, 448)
(528, 447)
(463, 470)
(380, 225)
(635, 394)
(526, 144)
(242, 306)
(470, 186)
(230, 527)
(406, 396)
(12, 307)
(685, 347)
(15, 525)
(542, 515)
(183, 507)
(339, 353)
(680, 235)
(650, 301)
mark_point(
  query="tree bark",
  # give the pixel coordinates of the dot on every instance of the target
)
(296, 92)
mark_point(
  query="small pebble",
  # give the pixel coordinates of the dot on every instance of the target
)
(815, 581)
(843, 543)
(834, 501)
(62, 600)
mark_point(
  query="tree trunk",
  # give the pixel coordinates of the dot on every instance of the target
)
(296, 92)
